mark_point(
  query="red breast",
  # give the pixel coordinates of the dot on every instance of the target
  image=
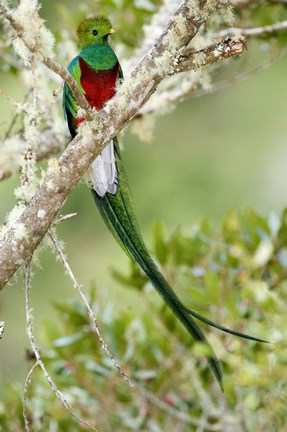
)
(100, 86)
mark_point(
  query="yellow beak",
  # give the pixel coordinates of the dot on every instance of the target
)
(112, 31)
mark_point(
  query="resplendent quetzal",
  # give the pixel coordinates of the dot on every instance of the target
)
(97, 71)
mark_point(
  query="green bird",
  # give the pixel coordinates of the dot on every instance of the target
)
(97, 72)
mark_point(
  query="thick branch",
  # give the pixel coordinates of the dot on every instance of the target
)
(62, 176)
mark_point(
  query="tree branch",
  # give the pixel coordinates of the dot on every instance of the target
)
(39, 362)
(63, 175)
(193, 60)
(240, 77)
(256, 31)
(240, 4)
(50, 143)
(14, 147)
(93, 320)
(50, 63)
(225, 49)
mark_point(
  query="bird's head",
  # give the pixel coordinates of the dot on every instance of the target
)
(95, 30)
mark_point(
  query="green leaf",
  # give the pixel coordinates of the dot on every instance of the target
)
(68, 340)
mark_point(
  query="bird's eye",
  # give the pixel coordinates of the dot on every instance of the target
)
(95, 32)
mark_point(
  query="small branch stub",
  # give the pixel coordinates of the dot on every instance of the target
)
(1, 328)
(229, 47)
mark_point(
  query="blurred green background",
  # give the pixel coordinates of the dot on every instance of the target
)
(221, 151)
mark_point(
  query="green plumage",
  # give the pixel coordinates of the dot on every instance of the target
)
(96, 70)
(118, 213)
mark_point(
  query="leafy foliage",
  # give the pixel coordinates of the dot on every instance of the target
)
(236, 276)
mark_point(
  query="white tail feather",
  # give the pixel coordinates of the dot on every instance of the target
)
(104, 172)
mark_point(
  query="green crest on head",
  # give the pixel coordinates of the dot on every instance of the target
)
(94, 30)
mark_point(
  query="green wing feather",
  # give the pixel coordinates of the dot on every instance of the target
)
(70, 106)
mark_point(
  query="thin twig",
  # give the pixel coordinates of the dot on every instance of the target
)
(26, 385)
(14, 119)
(93, 320)
(56, 94)
(58, 393)
(63, 218)
(34, 84)
(253, 32)
(9, 99)
(240, 77)
(50, 63)
(28, 166)
(246, 3)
